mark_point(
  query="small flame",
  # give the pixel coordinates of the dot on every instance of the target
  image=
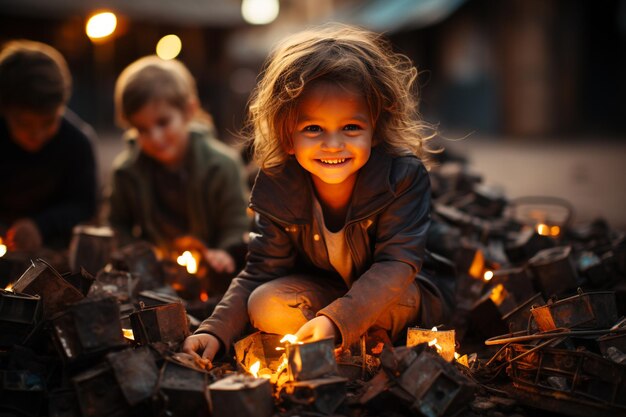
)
(187, 259)
(289, 338)
(254, 369)
(434, 329)
(128, 334)
(555, 230)
(456, 356)
(498, 294)
(543, 229)
(204, 297)
(282, 366)
(488, 275)
(9, 287)
(3, 248)
(477, 266)
(435, 344)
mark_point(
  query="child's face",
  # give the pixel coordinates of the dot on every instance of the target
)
(30, 129)
(332, 138)
(162, 131)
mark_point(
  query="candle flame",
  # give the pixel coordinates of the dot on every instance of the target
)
(498, 294)
(555, 230)
(289, 338)
(254, 369)
(434, 329)
(456, 355)
(128, 334)
(204, 297)
(3, 248)
(9, 287)
(282, 366)
(188, 260)
(488, 275)
(543, 229)
(435, 344)
(478, 265)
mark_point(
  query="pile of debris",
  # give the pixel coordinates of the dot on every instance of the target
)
(546, 296)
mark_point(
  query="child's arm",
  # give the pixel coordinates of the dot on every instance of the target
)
(270, 255)
(398, 255)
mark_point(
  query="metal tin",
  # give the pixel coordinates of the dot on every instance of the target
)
(322, 395)
(241, 396)
(444, 338)
(260, 347)
(165, 323)
(554, 270)
(19, 314)
(311, 360)
(184, 390)
(521, 318)
(43, 280)
(594, 310)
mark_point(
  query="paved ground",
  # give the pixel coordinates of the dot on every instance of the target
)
(591, 174)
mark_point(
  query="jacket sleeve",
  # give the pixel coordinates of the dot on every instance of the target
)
(398, 254)
(120, 214)
(271, 254)
(226, 194)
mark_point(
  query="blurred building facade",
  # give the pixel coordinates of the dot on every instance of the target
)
(522, 68)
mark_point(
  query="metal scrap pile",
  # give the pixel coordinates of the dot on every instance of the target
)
(75, 345)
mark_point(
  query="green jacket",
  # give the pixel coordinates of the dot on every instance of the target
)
(215, 192)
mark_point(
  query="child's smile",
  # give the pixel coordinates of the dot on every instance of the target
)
(333, 134)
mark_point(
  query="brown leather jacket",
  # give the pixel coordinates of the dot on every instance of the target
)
(386, 229)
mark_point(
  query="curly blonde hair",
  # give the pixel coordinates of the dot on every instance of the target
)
(345, 55)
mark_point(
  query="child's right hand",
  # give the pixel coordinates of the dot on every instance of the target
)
(204, 343)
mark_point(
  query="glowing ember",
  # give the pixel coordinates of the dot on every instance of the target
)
(254, 369)
(204, 297)
(543, 229)
(555, 230)
(188, 260)
(128, 334)
(488, 275)
(3, 248)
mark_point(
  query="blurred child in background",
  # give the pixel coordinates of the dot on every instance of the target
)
(175, 185)
(48, 180)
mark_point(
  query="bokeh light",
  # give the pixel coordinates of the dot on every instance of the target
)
(101, 25)
(259, 12)
(169, 47)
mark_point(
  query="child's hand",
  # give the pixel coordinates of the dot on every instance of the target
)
(220, 260)
(23, 235)
(321, 327)
(205, 343)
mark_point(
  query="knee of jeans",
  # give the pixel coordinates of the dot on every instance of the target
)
(270, 311)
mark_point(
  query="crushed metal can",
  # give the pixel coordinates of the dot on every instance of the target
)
(525, 244)
(165, 323)
(241, 396)
(99, 394)
(43, 280)
(87, 328)
(120, 284)
(63, 403)
(554, 270)
(183, 390)
(311, 360)
(140, 259)
(516, 281)
(593, 310)
(91, 247)
(19, 314)
(422, 380)
(81, 280)
(322, 395)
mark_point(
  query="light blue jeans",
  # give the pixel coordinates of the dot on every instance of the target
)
(284, 304)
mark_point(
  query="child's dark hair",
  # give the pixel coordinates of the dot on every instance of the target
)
(344, 55)
(33, 76)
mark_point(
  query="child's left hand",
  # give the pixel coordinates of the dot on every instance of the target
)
(321, 327)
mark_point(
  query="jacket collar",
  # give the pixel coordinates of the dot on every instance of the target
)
(285, 193)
